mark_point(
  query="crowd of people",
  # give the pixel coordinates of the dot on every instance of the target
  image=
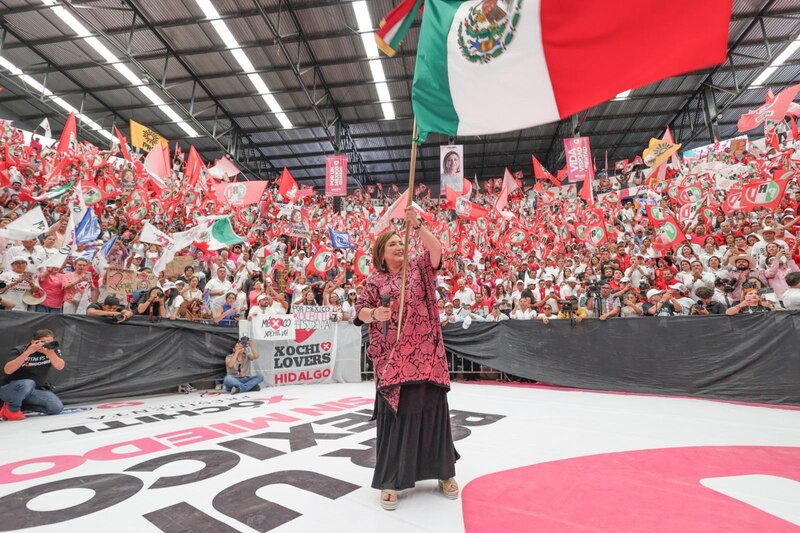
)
(732, 260)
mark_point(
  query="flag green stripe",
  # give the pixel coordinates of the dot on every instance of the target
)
(430, 95)
(222, 232)
(405, 25)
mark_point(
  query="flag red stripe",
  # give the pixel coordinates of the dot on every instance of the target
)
(595, 51)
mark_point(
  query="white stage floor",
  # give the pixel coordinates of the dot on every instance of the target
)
(532, 459)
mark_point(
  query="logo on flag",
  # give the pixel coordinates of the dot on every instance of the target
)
(234, 193)
(488, 29)
(340, 240)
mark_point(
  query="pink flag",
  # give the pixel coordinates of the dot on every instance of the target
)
(157, 165)
(69, 135)
(224, 169)
(773, 110)
(240, 193)
(579, 159)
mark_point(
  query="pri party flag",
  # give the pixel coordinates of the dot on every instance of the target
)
(224, 169)
(287, 187)
(123, 144)
(144, 138)
(494, 66)
(774, 109)
(158, 166)
(767, 194)
(321, 262)
(240, 193)
(362, 264)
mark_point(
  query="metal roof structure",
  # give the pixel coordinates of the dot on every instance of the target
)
(228, 76)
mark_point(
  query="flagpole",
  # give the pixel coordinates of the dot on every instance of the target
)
(411, 175)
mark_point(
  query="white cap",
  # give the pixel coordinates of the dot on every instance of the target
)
(653, 292)
(625, 279)
(262, 296)
(572, 279)
(19, 258)
(680, 287)
(547, 277)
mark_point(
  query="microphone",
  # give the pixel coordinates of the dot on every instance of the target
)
(385, 300)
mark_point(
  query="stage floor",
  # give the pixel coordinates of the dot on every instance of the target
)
(298, 459)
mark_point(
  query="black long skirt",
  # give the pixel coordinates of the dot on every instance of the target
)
(417, 443)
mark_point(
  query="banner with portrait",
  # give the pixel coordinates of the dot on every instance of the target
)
(451, 168)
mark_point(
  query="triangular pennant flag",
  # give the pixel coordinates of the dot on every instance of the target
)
(69, 136)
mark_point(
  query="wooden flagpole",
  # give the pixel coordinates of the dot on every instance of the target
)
(411, 175)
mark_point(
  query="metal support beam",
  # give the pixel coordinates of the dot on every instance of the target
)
(710, 111)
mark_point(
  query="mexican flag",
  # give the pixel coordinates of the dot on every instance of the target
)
(491, 66)
(54, 193)
(219, 235)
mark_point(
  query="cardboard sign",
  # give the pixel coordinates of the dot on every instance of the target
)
(119, 281)
(176, 266)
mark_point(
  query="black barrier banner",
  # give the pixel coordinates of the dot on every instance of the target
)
(749, 358)
(106, 360)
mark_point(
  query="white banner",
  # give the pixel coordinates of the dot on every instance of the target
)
(273, 328)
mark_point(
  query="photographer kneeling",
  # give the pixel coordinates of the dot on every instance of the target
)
(238, 366)
(705, 305)
(112, 308)
(24, 385)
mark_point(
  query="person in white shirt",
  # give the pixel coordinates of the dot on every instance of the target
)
(523, 310)
(496, 315)
(300, 262)
(637, 270)
(791, 296)
(681, 293)
(217, 288)
(569, 288)
(33, 253)
(17, 282)
(268, 306)
(698, 278)
(449, 317)
(547, 314)
(464, 293)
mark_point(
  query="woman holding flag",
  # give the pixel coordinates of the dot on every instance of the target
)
(414, 439)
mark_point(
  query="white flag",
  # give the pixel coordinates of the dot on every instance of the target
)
(45, 125)
(57, 259)
(28, 226)
(152, 235)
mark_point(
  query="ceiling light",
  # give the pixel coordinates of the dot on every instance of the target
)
(624, 95)
(779, 60)
(108, 56)
(244, 62)
(364, 21)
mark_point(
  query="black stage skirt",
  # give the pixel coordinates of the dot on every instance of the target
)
(416, 444)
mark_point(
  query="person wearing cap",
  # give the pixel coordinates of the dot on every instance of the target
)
(31, 250)
(680, 292)
(569, 288)
(548, 293)
(768, 235)
(268, 306)
(349, 304)
(111, 308)
(661, 303)
(743, 267)
(17, 282)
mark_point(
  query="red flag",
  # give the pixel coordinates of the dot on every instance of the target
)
(587, 193)
(773, 110)
(596, 234)
(540, 173)
(69, 135)
(287, 187)
(194, 167)
(621, 166)
(668, 234)
(509, 186)
(463, 207)
(223, 169)
(767, 193)
(240, 193)
(637, 161)
(321, 262)
(793, 124)
(123, 144)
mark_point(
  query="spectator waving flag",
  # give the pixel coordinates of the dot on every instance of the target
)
(340, 240)
(491, 66)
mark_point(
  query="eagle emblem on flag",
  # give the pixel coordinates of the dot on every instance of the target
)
(488, 29)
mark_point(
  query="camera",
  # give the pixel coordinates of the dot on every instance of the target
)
(119, 317)
(643, 286)
(748, 285)
(3, 284)
(52, 345)
(160, 294)
(765, 290)
(728, 285)
(244, 341)
(592, 289)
